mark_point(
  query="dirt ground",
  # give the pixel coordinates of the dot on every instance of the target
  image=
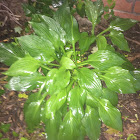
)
(11, 105)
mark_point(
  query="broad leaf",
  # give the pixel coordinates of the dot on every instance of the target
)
(110, 115)
(69, 130)
(25, 83)
(101, 43)
(121, 24)
(68, 23)
(52, 126)
(76, 104)
(92, 123)
(118, 39)
(57, 80)
(119, 80)
(104, 59)
(54, 103)
(85, 41)
(51, 30)
(23, 67)
(67, 63)
(89, 81)
(136, 75)
(37, 47)
(32, 109)
(111, 96)
(10, 53)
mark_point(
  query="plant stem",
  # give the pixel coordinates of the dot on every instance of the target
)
(74, 53)
(51, 64)
(103, 32)
(63, 50)
(45, 67)
(83, 63)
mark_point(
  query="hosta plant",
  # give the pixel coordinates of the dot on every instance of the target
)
(74, 94)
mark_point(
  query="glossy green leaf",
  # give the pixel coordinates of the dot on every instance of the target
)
(110, 115)
(25, 83)
(92, 123)
(118, 39)
(111, 96)
(101, 43)
(76, 104)
(32, 108)
(68, 23)
(85, 41)
(89, 81)
(54, 103)
(57, 80)
(51, 30)
(121, 24)
(67, 63)
(52, 126)
(136, 75)
(119, 80)
(23, 67)
(41, 49)
(10, 53)
(69, 130)
(104, 59)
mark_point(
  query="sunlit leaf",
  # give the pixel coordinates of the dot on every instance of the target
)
(101, 43)
(25, 83)
(104, 59)
(117, 78)
(89, 81)
(110, 115)
(23, 67)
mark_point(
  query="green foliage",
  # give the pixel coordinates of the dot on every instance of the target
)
(5, 127)
(72, 99)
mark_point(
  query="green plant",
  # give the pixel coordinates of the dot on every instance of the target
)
(71, 100)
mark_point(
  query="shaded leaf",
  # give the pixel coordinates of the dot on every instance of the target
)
(92, 123)
(111, 96)
(89, 81)
(85, 41)
(25, 83)
(10, 53)
(23, 67)
(110, 115)
(104, 59)
(118, 39)
(117, 78)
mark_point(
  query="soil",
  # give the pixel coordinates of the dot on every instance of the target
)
(11, 106)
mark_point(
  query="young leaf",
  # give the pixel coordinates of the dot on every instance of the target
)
(10, 53)
(136, 75)
(111, 96)
(70, 128)
(25, 83)
(32, 109)
(23, 67)
(57, 80)
(101, 43)
(110, 115)
(54, 103)
(85, 41)
(37, 47)
(92, 123)
(67, 63)
(89, 81)
(118, 39)
(104, 59)
(117, 78)
(121, 24)
(68, 23)
(75, 103)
